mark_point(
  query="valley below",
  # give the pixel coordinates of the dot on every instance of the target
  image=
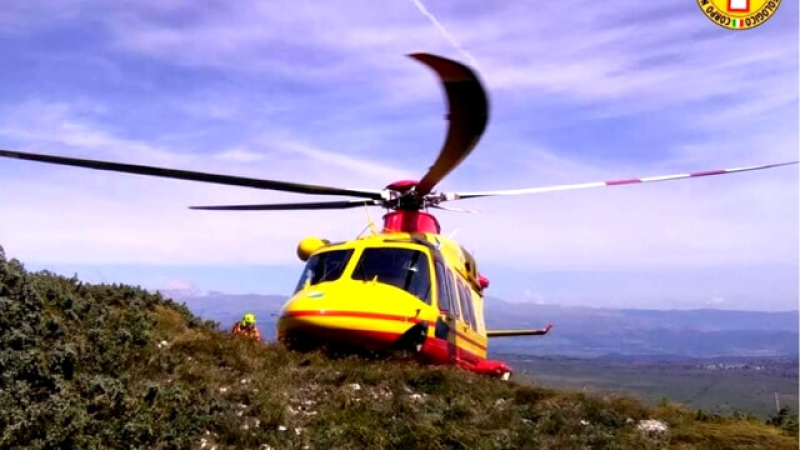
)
(759, 386)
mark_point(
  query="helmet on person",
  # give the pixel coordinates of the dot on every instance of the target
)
(249, 319)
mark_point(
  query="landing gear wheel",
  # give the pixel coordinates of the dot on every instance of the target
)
(412, 341)
(505, 376)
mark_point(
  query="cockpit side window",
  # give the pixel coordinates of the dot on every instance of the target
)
(404, 268)
(325, 266)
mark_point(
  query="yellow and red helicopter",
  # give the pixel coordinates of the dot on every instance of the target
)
(407, 286)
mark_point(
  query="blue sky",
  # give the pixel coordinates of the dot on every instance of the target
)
(321, 92)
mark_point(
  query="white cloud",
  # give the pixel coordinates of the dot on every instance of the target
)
(240, 155)
(109, 217)
(23, 17)
(625, 58)
(529, 296)
(178, 284)
(745, 218)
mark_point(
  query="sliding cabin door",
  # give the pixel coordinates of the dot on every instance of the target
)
(472, 343)
(447, 300)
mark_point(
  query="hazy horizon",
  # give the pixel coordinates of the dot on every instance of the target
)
(281, 282)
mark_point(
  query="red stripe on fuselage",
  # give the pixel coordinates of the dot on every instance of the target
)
(439, 351)
(468, 339)
(357, 314)
(434, 351)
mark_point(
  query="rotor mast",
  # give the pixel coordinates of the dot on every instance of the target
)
(406, 213)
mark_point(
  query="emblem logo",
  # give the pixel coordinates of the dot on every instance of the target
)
(739, 14)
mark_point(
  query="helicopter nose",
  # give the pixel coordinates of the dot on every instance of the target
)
(318, 320)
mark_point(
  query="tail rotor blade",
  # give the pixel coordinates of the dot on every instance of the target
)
(468, 116)
(345, 204)
(567, 187)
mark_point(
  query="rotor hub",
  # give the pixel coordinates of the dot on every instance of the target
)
(402, 186)
(402, 196)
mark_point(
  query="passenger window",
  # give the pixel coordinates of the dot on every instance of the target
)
(441, 287)
(451, 286)
(466, 304)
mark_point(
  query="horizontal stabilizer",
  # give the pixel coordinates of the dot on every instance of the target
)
(509, 333)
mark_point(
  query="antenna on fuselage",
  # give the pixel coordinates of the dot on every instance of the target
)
(360, 233)
(370, 223)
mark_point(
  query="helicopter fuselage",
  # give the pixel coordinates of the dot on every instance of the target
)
(388, 291)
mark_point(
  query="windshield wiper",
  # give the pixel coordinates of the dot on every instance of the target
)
(411, 272)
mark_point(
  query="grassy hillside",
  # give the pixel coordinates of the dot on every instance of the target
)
(111, 366)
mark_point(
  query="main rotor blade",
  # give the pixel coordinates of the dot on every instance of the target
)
(291, 206)
(191, 175)
(566, 187)
(445, 208)
(468, 116)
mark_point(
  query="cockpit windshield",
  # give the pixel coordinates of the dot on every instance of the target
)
(405, 268)
(325, 266)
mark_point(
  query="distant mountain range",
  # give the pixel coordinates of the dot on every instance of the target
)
(577, 331)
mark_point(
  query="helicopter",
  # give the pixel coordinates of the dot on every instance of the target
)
(406, 287)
